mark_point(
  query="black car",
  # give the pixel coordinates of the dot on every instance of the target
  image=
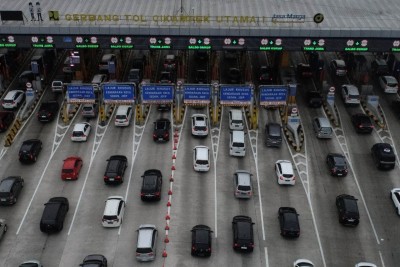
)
(165, 77)
(10, 188)
(243, 237)
(115, 169)
(94, 260)
(54, 214)
(161, 130)
(30, 150)
(151, 185)
(337, 164)
(304, 71)
(266, 75)
(289, 222)
(201, 76)
(48, 111)
(314, 99)
(383, 156)
(362, 123)
(6, 119)
(201, 240)
(234, 75)
(164, 107)
(348, 210)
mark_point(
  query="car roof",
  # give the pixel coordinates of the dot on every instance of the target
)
(286, 166)
(152, 172)
(7, 183)
(11, 93)
(390, 79)
(351, 88)
(244, 177)
(112, 204)
(117, 157)
(145, 235)
(69, 162)
(80, 126)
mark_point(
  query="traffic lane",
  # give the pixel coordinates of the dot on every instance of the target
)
(149, 155)
(193, 199)
(95, 193)
(324, 189)
(375, 185)
(52, 186)
(274, 196)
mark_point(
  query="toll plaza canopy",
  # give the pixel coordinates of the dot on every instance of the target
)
(322, 25)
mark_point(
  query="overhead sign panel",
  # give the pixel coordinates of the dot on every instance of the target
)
(119, 93)
(196, 94)
(273, 95)
(155, 94)
(235, 95)
(80, 94)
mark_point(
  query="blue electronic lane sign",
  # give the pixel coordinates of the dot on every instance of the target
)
(196, 94)
(273, 95)
(80, 94)
(235, 95)
(118, 93)
(156, 94)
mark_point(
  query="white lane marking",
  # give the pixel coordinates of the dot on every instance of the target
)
(135, 148)
(382, 262)
(44, 171)
(215, 157)
(94, 151)
(266, 257)
(254, 150)
(306, 187)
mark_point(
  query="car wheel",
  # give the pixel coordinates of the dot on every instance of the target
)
(14, 200)
(5, 228)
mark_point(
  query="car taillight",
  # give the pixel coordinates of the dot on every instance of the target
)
(281, 177)
(116, 220)
(118, 177)
(150, 254)
(154, 135)
(193, 248)
(157, 193)
(137, 254)
(142, 194)
(249, 193)
(105, 177)
(166, 134)
(294, 177)
(236, 245)
(252, 245)
(345, 171)
(334, 170)
(208, 249)
(103, 220)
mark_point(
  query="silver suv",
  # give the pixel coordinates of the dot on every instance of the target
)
(146, 242)
(242, 182)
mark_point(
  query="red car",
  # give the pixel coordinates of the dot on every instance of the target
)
(71, 167)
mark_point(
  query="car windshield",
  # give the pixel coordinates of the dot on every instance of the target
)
(160, 125)
(110, 217)
(244, 188)
(201, 162)
(8, 101)
(238, 144)
(340, 161)
(67, 170)
(120, 117)
(77, 134)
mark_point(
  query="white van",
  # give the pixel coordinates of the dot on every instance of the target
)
(237, 144)
(236, 120)
(123, 116)
(201, 158)
(350, 94)
(322, 127)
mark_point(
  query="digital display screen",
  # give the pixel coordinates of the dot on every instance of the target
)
(199, 47)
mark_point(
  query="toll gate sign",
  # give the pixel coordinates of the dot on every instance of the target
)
(77, 94)
(157, 94)
(196, 94)
(273, 95)
(235, 95)
(119, 93)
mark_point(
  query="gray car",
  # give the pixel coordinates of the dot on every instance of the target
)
(3, 228)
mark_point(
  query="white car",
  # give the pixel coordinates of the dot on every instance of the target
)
(113, 211)
(365, 264)
(389, 84)
(199, 125)
(303, 263)
(284, 172)
(81, 132)
(13, 99)
(395, 196)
